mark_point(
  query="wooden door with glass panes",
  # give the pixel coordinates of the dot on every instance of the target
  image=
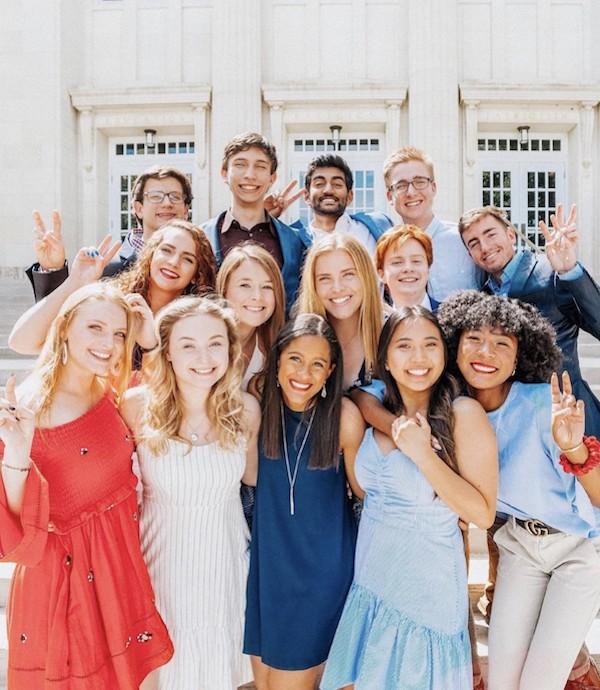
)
(526, 181)
(365, 157)
(131, 156)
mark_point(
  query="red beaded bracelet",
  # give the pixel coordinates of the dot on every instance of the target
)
(593, 446)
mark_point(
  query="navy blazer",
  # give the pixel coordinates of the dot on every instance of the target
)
(569, 305)
(293, 241)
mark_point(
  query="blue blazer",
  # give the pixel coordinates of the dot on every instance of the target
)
(293, 241)
(569, 305)
(377, 223)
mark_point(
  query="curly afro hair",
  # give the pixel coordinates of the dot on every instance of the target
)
(538, 354)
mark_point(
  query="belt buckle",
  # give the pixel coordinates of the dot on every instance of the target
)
(536, 528)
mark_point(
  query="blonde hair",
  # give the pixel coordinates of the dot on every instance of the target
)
(249, 251)
(137, 278)
(225, 405)
(404, 155)
(400, 234)
(370, 312)
(49, 366)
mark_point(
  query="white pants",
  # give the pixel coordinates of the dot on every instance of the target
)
(547, 595)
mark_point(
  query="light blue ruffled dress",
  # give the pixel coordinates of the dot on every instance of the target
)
(404, 624)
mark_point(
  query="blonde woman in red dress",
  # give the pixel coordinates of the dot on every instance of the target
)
(81, 612)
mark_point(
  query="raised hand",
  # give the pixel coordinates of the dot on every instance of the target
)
(277, 202)
(90, 262)
(145, 336)
(568, 414)
(412, 436)
(48, 244)
(561, 240)
(16, 422)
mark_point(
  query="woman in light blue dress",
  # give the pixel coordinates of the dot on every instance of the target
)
(404, 624)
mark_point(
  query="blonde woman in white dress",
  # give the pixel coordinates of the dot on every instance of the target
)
(196, 433)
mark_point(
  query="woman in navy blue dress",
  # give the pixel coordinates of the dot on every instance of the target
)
(303, 536)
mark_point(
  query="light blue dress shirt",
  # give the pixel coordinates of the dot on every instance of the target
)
(452, 268)
(532, 482)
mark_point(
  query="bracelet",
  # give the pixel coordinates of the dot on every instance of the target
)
(593, 446)
(572, 450)
(16, 469)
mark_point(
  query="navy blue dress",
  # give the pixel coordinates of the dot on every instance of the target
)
(301, 565)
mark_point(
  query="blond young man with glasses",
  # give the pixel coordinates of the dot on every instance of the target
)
(410, 181)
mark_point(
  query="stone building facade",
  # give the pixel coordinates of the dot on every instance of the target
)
(503, 94)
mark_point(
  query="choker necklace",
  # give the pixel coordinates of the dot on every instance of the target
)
(291, 476)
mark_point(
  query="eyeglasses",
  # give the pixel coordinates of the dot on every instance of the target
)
(157, 197)
(403, 185)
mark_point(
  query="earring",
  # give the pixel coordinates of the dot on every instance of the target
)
(278, 384)
(64, 355)
(323, 392)
(514, 370)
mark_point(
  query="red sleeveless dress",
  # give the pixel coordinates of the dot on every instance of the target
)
(81, 612)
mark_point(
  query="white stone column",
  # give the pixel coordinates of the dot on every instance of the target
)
(471, 183)
(86, 234)
(236, 82)
(279, 140)
(589, 250)
(433, 108)
(201, 176)
(392, 126)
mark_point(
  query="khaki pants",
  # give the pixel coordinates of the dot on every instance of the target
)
(547, 595)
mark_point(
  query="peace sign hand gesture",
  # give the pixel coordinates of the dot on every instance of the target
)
(278, 202)
(568, 414)
(48, 244)
(412, 436)
(561, 240)
(90, 262)
(16, 422)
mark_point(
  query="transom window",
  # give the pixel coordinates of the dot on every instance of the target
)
(363, 154)
(527, 182)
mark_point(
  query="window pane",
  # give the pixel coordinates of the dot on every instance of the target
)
(514, 145)
(359, 179)
(129, 149)
(119, 149)
(541, 179)
(535, 144)
(502, 144)
(531, 180)
(531, 199)
(541, 199)
(370, 200)
(551, 180)
(496, 179)
(485, 178)
(556, 144)
(545, 144)
(359, 199)
(374, 144)
(162, 147)
(551, 199)
(506, 179)
(481, 144)
(485, 198)
(506, 199)
(370, 178)
(496, 198)
(491, 144)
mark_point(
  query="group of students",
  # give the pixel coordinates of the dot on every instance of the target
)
(374, 414)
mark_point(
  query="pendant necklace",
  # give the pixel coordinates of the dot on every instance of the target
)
(292, 476)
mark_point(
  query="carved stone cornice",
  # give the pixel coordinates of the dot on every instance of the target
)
(345, 96)
(154, 97)
(536, 95)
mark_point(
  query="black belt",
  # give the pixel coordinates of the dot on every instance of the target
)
(536, 528)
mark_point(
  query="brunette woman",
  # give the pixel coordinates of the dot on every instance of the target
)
(250, 280)
(404, 624)
(303, 535)
(81, 612)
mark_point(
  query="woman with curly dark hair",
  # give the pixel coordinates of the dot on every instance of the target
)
(548, 582)
(176, 260)
(404, 624)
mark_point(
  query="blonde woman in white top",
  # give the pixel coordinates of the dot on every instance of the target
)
(196, 433)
